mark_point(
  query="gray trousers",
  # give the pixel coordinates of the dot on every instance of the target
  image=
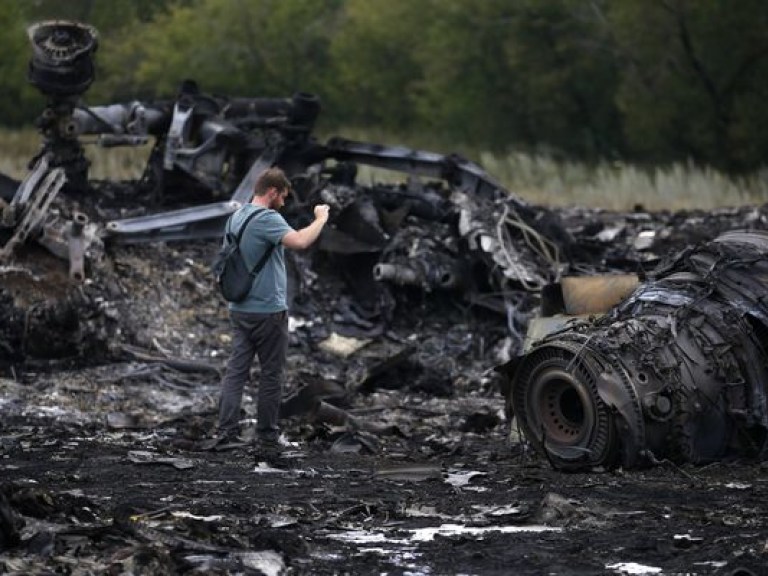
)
(266, 336)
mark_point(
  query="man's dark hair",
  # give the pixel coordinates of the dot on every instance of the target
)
(271, 178)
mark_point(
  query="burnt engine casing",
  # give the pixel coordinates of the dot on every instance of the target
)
(677, 371)
(62, 60)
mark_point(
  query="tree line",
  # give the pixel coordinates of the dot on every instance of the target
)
(647, 81)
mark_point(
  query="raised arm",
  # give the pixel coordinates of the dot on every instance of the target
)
(301, 239)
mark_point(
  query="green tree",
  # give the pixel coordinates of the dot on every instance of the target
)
(695, 73)
(566, 82)
(19, 101)
(240, 47)
(522, 74)
(105, 15)
(467, 91)
(375, 74)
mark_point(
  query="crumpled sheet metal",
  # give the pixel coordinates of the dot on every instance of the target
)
(678, 371)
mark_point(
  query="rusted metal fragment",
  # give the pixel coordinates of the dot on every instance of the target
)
(596, 294)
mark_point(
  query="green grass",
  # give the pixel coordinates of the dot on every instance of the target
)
(537, 179)
(17, 147)
(621, 186)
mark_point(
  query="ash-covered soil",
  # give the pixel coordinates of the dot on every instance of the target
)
(103, 468)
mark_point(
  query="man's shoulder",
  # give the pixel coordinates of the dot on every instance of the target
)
(273, 217)
(258, 212)
(266, 224)
(242, 213)
(247, 209)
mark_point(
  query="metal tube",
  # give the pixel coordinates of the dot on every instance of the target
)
(77, 247)
(397, 273)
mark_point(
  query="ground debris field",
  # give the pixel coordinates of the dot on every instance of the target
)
(400, 458)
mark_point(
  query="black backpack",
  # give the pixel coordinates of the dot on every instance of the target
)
(229, 267)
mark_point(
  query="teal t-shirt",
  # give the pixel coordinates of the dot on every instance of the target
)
(269, 289)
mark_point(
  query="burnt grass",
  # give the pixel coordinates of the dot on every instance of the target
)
(103, 466)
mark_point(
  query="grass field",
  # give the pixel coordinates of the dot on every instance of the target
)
(536, 179)
(18, 147)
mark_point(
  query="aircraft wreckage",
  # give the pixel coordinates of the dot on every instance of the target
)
(450, 227)
(676, 369)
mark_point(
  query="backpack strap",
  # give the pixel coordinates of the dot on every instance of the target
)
(245, 224)
(260, 264)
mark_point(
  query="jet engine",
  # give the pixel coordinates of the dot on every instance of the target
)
(678, 370)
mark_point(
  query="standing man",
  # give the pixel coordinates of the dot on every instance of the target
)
(260, 321)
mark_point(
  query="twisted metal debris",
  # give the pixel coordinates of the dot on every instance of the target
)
(678, 371)
(450, 228)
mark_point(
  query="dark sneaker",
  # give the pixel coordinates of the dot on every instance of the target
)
(268, 451)
(223, 442)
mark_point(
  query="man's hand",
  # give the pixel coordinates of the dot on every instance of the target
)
(301, 239)
(321, 212)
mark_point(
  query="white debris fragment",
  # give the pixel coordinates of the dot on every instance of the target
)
(645, 239)
(427, 534)
(265, 468)
(343, 346)
(214, 518)
(295, 322)
(498, 510)
(461, 479)
(632, 568)
(268, 562)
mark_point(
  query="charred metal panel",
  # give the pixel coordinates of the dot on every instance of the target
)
(678, 370)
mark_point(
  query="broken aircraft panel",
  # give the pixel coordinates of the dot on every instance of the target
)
(678, 370)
